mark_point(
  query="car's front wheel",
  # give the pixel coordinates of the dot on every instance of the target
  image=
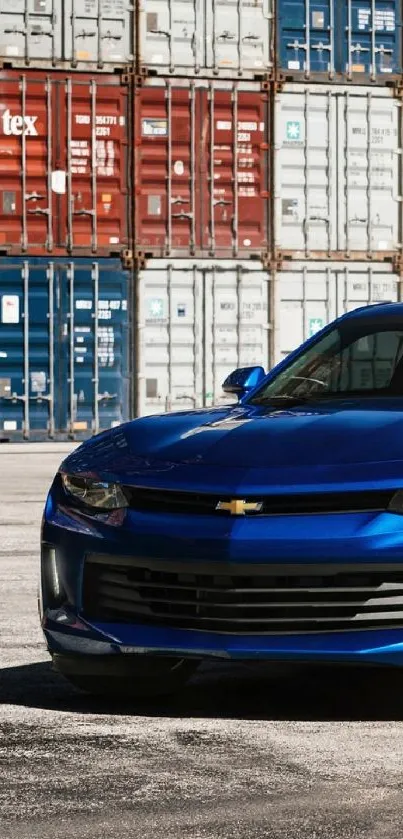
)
(125, 676)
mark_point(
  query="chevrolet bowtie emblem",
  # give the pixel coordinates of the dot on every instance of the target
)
(238, 507)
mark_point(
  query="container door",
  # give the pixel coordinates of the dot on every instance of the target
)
(196, 325)
(31, 31)
(306, 36)
(369, 173)
(166, 169)
(239, 36)
(63, 165)
(98, 32)
(27, 131)
(29, 361)
(314, 294)
(94, 201)
(234, 170)
(361, 285)
(202, 192)
(94, 378)
(372, 45)
(306, 172)
(171, 35)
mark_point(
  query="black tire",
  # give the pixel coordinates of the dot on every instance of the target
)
(120, 679)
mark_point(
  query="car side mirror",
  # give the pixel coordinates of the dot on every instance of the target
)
(241, 381)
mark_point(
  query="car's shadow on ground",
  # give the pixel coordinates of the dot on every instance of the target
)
(229, 691)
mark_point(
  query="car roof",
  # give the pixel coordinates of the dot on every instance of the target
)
(375, 310)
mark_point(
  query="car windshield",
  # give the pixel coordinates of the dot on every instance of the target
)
(360, 357)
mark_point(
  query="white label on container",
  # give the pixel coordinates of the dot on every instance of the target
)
(10, 308)
(59, 182)
(38, 382)
(179, 167)
(12, 50)
(113, 240)
(154, 128)
(247, 126)
(10, 425)
(223, 126)
(293, 65)
(84, 304)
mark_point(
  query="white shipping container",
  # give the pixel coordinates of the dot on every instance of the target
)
(196, 322)
(337, 172)
(175, 37)
(80, 34)
(229, 38)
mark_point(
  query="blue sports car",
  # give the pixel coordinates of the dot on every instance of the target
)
(269, 529)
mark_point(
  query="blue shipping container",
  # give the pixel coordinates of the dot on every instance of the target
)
(64, 347)
(355, 39)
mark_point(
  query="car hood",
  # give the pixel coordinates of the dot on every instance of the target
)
(359, 442)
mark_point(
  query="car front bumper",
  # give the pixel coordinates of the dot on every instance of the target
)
(361, 539)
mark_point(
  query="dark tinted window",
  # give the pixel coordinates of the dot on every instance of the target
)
(356, 358)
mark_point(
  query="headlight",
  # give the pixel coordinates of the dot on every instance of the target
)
(106, 496)
(396, 504)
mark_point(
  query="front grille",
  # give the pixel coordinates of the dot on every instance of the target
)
(172, 501)
(251, 599)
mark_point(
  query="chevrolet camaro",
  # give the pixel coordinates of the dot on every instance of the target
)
(268, 529)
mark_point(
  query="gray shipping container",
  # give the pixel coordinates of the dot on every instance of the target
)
(228, 38)
(81, 34)
(338, 172)
(196, 322)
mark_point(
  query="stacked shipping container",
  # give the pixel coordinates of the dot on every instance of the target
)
(65, 216)
(221, 178)
(268, 182)
(337, 211)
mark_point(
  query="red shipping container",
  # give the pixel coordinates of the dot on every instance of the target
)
(63, 164)
(202, 175)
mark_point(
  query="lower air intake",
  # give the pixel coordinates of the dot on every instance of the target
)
(243, 599)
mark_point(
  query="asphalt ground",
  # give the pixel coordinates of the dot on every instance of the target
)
(243, 752)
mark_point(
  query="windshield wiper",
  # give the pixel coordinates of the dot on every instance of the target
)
(287, 400)
(346, 395)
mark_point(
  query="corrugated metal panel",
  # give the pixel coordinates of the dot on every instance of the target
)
(76, 34)
(340, 38)
(309, 295)
(202, 169)
(196, 323)
(64, 347)
(64, 172)
(213, 38)
(338, 171)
